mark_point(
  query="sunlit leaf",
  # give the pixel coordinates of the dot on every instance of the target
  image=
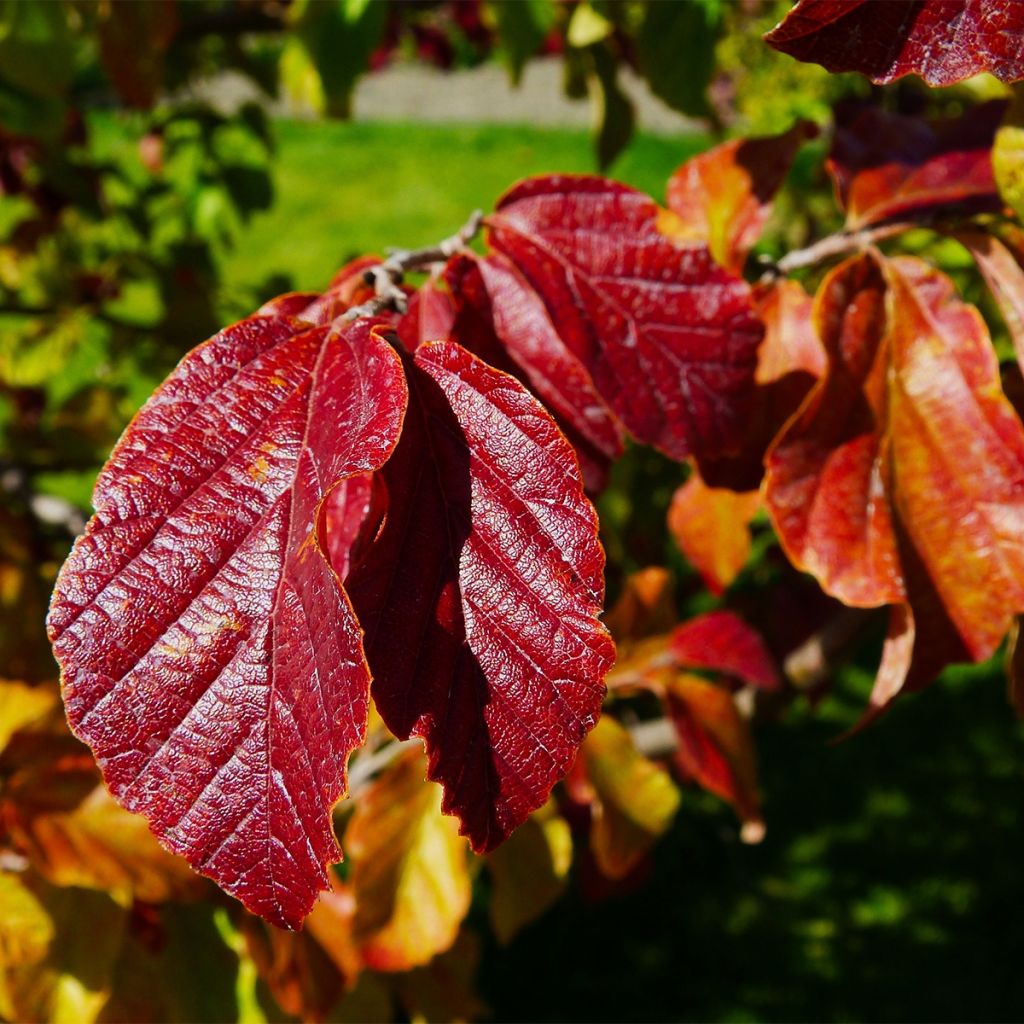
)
(722, 642)
(943, 41)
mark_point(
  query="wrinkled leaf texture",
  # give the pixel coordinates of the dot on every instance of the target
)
(614, 321)
(943, 41)
(209, 655)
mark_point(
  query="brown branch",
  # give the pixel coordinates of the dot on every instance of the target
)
(839, 244)
(387, 277)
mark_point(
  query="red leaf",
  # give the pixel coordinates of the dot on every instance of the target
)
(668, 337)
(722, 642)
(480, 595)
(943, 41)
(886, 165)
(210, 657)
(501, 320)
(429, 317)
(724, 196)
(716, 749)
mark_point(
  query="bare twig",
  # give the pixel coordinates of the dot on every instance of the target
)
(387, 277)
(839, 244)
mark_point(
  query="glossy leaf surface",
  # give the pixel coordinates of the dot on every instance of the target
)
(210, 657)
(943, 41)
(480, 595)
(886, 165)
(667, 336)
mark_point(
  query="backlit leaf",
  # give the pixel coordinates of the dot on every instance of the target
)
(668, 337)
(409, 876)
(712, 528)
(887, 165)
(723, 642)
(724, 196)
(210, 657)
(943, 41)
(634, 799)
(479, 597)
(644, 607)
(715, 746)
(901, 480)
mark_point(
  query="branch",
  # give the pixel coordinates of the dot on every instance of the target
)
(387, 277)
(815, 659)
(839, 244)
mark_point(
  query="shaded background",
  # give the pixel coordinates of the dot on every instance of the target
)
(164, 171)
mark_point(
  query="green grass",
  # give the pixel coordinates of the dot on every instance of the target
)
(344, 189)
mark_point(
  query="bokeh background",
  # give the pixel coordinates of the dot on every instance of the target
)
(165, 168)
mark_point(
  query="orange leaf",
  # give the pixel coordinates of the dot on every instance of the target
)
(902, 478)
(634, 799)
(711, 525)
(644, 607)
(724, 196)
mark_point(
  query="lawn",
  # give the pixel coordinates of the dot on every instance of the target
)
(343, 188)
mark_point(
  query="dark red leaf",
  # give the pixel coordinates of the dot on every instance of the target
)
(943, 41)
(886, 165)
(480, 595)
(722, 642)
(666, 335)
(210, 657)
(429, 317)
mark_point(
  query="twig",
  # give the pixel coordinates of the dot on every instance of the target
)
(366, 767)
(387, 277)
(815, 659)
(839, 244)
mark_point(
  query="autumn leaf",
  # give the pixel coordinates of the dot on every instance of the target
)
(715, 746)
(724, 196)
(644, 607)
(712, 528)
(408, 869)
(634, 800)
(480, 595)
(943, 41)
(210, 657)
(900, 481)
(722, 642)
(667, 337)
(887, 165)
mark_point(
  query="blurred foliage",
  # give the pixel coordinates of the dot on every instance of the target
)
(135, 218)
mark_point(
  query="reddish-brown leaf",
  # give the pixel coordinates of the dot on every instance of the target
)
(902, 479)
(210, 657)
(887, 166)
(723, 642)
(943, 41)
(712, 528)
(501, 320)
(715, 746)
(724, 196)
(826, 470)
(668, 337)
(480, 595)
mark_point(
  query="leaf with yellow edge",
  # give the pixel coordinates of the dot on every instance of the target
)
(529, 871)
(409, 874)
(634, 799)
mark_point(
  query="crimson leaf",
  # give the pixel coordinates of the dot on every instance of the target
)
(210, 657)
(480, 595)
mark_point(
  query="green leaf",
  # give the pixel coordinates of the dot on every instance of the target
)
(522, 26)
(329, 49)
(35, 46)
(676, 47)
(614, 117)
(587, 27)
(1008, 154)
